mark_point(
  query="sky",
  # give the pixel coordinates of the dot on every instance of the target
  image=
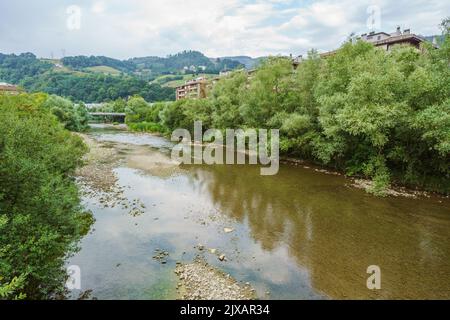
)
(136, 28)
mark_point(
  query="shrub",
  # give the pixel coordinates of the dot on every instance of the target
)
(41, 219)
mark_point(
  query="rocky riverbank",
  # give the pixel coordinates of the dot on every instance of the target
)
(200, 281)
(197, 280)
(97, 173)
(98, 180)
(393, 191)
(361, 183)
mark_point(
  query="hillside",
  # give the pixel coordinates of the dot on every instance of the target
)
(81, 62)
(248, 62)
(184, 63)
(79, 82)
(100, 78)
(149, 68)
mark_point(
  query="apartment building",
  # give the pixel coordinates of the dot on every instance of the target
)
(386, 41)
(192, 89)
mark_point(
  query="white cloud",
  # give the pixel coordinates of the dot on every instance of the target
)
(98, 7)
(216, 27)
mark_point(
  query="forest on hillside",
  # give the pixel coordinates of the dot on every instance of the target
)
(36, 75)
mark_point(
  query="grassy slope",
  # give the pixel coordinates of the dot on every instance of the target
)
(104, 70)
(59, 67)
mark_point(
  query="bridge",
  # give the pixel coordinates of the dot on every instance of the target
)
(107, 116)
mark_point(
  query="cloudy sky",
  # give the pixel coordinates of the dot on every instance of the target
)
(124, 29)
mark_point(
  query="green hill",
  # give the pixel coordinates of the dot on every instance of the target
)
(96, 84)
(186, 62)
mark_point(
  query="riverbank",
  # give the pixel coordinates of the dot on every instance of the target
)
(97, 178)
(394, 189)
(287, 236)
(97, 172)
(359, 182)
(200, 281)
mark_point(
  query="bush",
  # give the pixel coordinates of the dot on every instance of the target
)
(74, 117)
(41, 219)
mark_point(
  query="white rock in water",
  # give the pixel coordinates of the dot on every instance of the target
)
(228, 230)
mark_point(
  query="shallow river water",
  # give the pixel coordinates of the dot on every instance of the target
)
(300, 234)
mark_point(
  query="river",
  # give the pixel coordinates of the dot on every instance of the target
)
(301, 234)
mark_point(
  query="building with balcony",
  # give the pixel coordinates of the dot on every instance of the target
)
(387, 41)
(192, 89)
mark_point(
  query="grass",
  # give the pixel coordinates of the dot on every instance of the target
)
(146, 127)
(104, 70)
(61, 68)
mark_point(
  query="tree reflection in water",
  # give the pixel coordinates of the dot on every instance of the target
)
(336, 232)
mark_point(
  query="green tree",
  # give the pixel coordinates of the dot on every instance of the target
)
(74, 116)
(41, 219)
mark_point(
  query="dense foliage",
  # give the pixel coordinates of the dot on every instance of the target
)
(74, 117)
(383, 115)
(40, 215)
(98, 87)
(18, 68)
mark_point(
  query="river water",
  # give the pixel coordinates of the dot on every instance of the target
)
(301, 234)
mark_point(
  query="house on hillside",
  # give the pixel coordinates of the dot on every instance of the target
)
(386, 41)
(9, 88)
(192, 89)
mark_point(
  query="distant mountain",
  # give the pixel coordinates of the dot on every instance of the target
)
(248, 62)
(439, 38)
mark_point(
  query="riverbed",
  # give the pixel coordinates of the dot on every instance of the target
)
(301, 234)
